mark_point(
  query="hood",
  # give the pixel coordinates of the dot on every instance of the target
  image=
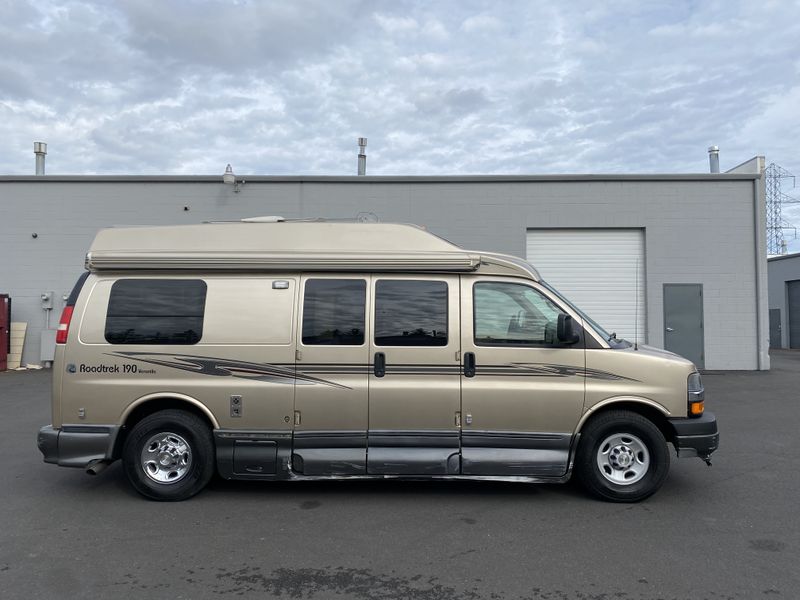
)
(663, 353)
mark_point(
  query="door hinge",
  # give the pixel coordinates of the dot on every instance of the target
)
(458, 418)
(298, 355)
(297, 417)
(458, 356)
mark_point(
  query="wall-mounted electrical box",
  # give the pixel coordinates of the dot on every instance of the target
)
(47, 300)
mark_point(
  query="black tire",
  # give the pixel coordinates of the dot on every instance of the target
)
(622, 457)
(169, 435)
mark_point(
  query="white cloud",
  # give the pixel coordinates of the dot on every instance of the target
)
(434, 29)
(458, 87)
(392, 24)
(482, 23)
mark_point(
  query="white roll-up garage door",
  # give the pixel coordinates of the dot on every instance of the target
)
(599, 270)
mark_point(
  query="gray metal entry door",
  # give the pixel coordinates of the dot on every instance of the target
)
(683, 321)
(793, 309)
(5, 330)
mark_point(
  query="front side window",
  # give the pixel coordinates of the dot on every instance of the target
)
(156, 311)
(410, 313)
(334, 312)
(513, 314)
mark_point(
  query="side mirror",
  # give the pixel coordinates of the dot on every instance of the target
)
(566, 330)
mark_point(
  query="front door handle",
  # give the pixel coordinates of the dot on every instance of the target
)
(670, 329)
(469, 364)
(380, 364)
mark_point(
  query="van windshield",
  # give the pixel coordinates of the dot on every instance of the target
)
(586, 318)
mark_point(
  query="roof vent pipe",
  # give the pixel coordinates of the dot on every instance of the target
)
(713, 158)
(362, 156)
(40, 150)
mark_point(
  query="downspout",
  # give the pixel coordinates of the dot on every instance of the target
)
(762, 361)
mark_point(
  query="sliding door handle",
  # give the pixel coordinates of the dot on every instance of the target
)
(380, 364)
(469, 364)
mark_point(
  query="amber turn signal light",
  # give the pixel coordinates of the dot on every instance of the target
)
(696, 408)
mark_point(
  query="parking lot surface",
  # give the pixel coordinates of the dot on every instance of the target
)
(726, 532)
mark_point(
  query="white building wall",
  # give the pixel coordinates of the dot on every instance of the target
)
(698, 229)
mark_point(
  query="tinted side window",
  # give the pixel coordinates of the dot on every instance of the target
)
(410, 313)
(509, 313)
(155, 311)
(334, 312)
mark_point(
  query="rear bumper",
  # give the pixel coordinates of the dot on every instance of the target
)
(76, 445)
(695, 437)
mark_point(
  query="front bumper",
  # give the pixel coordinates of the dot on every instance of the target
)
(77, 445)
(695, 436)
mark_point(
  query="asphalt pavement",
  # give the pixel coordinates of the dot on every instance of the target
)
(726, 532)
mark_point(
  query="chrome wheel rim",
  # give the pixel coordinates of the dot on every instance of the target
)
(166, 458)
(623, 459)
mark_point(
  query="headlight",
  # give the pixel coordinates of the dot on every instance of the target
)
(695, 382)
(696, 395)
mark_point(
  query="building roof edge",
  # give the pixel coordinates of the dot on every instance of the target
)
(378, 178)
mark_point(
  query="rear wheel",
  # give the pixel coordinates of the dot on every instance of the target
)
(169, 455)
(622, 457)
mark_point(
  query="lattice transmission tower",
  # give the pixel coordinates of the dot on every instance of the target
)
(776, 198)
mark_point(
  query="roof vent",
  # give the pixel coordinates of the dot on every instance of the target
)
(713, 158)
(40, 150)
(362, 156)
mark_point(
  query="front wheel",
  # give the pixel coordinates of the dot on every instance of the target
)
(622, 457)
(169, 455)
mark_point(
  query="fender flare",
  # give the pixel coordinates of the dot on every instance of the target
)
(610, 402)
(168, 395)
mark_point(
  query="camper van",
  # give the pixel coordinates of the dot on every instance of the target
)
(272, 350)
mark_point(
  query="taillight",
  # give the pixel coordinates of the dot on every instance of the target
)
(63, 325)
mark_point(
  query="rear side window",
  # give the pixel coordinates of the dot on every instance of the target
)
(334, 312)
(410, 313)
(156, 311)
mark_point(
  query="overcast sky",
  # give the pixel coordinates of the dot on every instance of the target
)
(449, 87)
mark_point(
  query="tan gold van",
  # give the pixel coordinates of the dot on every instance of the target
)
(276, 350)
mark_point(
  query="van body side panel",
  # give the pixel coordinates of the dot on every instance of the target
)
(330, 419)
(58, 378)
(520, 408)
(414, 405)
(642, 373)
(243, 361)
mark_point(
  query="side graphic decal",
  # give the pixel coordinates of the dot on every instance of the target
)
(547, 370)
(221, 367)
(287, 374)
(392, 369)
